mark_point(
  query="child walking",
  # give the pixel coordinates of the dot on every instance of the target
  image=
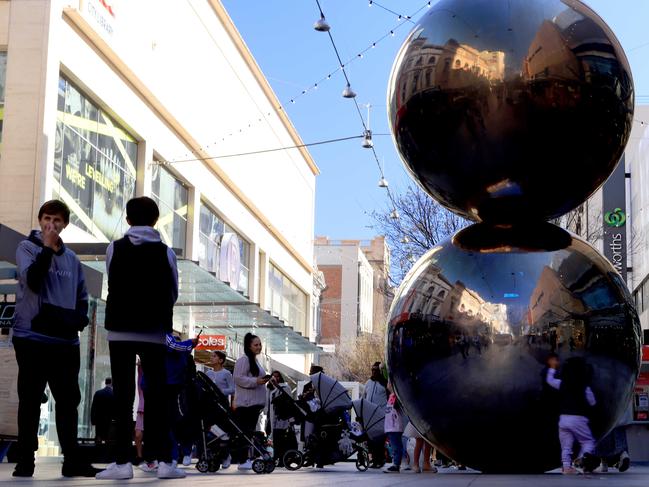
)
(394, 430)
(575, 400)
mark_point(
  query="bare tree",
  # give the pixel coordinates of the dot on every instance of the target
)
(421, 224)
(353, 361)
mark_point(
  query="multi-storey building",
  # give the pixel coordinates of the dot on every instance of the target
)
(105, 100)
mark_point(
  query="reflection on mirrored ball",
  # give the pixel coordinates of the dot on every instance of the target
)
(472, 325)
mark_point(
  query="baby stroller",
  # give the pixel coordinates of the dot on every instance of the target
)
(220, 433)
(332, 438)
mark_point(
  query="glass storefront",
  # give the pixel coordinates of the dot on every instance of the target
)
(172, 197)
(94, 164)
(212, 229)
(288, 302)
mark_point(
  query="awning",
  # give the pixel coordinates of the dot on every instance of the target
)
(218, 309)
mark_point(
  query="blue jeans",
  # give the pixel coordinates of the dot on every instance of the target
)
(396, 446)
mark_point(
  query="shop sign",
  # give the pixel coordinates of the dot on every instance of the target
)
(614, 219)
(212, 342)
(7, 311)
(101, 14)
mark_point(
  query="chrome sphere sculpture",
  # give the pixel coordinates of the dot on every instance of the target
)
(495, 104)
(509, 112)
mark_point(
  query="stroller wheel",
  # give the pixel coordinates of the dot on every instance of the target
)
(270, 466)
(258, 466)
(362, 461)
(214, 466)
(293, 460)
(203, 465)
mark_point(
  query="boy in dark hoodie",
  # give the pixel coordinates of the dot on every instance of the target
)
(142, 290)
(51, 310)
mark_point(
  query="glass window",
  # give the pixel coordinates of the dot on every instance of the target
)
(211, 230)
(288, 302)
(172, 197)
(94, 164)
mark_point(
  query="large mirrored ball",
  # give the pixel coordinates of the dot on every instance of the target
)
(505, 110)
(471, 329)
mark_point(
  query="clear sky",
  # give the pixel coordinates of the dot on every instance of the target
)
(294, 57)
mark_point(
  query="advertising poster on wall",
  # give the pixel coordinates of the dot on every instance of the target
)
(94, 165)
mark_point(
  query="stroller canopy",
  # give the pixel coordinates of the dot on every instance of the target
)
(333, 396)
(371, 416)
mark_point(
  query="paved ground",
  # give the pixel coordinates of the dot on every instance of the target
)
(341, 475)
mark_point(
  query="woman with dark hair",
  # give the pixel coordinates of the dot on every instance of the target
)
(250, 393)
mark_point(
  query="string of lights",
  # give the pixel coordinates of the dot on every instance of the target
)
(321, 25)
(311, 88)
(262, 151)
(399, 16)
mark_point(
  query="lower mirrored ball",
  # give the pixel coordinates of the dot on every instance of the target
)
(472, 326)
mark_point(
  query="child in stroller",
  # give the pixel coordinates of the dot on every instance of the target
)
(331, 438)
(220, 433)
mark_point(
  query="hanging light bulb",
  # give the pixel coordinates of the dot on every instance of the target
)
(383, 183)
(321, 25)
(405, 240)
(394, 215)
(367, 139)
(348, 92)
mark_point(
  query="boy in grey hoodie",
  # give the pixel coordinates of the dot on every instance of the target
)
(142, 290)
(51, 309)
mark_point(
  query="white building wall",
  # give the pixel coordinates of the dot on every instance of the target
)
(365, 295)
(197, 79)
(346, 256)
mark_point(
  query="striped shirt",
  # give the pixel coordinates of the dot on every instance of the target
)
(247, 391)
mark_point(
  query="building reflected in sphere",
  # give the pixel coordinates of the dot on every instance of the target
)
(471, 327)
(509, 110)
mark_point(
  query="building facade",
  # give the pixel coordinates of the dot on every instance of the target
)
(357, 295)
(104, 100)
(616, 221)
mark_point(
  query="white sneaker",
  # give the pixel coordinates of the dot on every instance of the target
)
(168, 471)
(187, 460)
(247, 465)
(226, 463)
(114, 471)
(149, 466)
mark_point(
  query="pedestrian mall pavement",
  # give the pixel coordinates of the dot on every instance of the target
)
(48, 474)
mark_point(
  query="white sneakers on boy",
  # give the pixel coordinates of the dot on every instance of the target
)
(116, 472)
(247, 465)
(169, 471)
(187, 460)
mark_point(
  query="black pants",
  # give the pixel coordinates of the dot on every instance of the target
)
(40, 364)
(377, 451)
(157, 444)
(246, 418)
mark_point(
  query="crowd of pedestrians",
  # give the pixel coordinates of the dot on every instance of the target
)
(52, 308)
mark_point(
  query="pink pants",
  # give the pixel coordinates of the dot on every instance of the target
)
(573, 428)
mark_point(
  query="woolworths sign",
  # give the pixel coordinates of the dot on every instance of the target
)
(614, 219)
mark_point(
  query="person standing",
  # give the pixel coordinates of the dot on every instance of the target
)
(394, 430)
(102, 412)
(281, 430)
(575, 400)
(249, 379)
(142, 290)
(51, 310)
(376, 393)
